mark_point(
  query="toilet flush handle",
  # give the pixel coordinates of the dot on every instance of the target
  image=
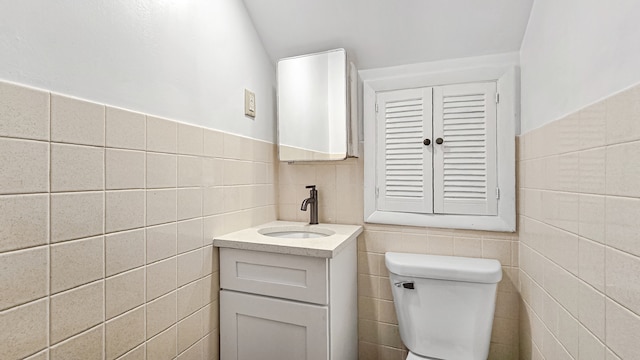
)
(405, 284)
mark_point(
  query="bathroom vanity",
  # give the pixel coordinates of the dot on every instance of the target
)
(289, 292)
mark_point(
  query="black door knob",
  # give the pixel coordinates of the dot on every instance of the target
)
(439, 141)
(426, 142)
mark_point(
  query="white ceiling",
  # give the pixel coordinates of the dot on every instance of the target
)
(380, 33)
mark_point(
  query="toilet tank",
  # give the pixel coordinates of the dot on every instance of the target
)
(444, 304)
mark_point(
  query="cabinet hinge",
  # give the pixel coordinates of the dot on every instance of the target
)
(497, 98)
(377, 192)
(376, 107)
(498, 193)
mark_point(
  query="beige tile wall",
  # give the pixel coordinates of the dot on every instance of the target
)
(106, 221)
(341, 200)
(580, 234)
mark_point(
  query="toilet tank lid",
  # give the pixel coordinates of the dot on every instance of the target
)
(438, 267)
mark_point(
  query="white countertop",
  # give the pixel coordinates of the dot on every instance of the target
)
(326, 247)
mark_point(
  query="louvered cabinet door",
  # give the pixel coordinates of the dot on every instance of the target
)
(404, 163)
(465, 174)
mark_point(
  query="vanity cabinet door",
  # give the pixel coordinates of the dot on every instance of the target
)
(258, 327)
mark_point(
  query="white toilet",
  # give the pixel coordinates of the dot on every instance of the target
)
(444, 304)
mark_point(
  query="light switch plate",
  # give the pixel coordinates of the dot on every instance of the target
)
(249, 103)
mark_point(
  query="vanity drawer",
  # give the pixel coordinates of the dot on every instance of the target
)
(284, 276)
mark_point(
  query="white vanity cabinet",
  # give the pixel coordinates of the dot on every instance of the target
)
(284, 306)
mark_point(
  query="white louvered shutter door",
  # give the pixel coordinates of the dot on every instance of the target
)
(404, 163)
(465, 174)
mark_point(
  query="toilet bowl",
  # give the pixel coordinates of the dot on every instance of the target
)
(444, 304)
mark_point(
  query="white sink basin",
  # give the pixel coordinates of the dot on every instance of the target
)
(296, 232)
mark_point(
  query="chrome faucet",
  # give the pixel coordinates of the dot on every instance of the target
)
(313, 200)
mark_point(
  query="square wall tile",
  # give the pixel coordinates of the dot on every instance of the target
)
(190, 139)
(564, 131)
(77, 121)
(76, 310)
(194, 352)
(124, 292)
(124, 251)
(161, 314)
(190, 235)
(212, 345)
(125, 169)
(591, 263)
(623, 112)
(214, 226)
(190, 299)
(623, 169)
(497, 249)
(212, 172)
(189, 203)
(623, 279)
(592, 174)
(25, 166)
(237, 147)
(76, 215)
(467, 247)
(24, 329)
(623, 328)
(189, 267)
(124, 210)
(163, 346)
(162, 170)
(622, 225)
(161, 242)
(24, 112)
(210, 261)
(593, 131)
(562, 247)
(23, 276)
(75, 263)
(87, 345)
(161, 278)
(238, 172)
(162, 135)
(212, 143)
(568, 332)
(124, 333)
(211, 286)
(24, 221)
(189, 331)
(212, 201)
(161, 206)
(125, 129)
(568, 172)
(210, 317)
(189, 171)
(592, 217)
(589, 346)
(76, 168)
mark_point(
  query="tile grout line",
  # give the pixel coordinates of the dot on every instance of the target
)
(49, 232)
(177, 178)
(104, 237)
(146, 255)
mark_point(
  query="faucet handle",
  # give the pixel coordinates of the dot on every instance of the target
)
(312, 187)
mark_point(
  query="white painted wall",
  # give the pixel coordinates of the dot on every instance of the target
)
(184, 60)
(575, 53)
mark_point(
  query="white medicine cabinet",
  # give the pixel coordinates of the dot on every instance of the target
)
(315, 110)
